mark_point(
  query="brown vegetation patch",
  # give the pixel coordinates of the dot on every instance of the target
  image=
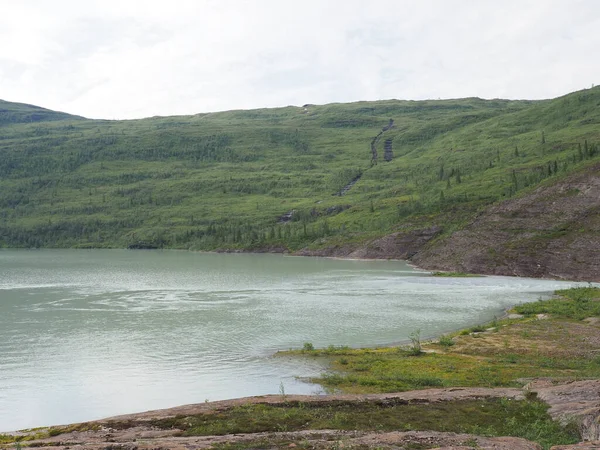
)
(550, 337)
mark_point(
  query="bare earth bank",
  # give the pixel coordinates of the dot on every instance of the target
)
(552, 232)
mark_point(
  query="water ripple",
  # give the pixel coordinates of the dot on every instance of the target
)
(86, 334)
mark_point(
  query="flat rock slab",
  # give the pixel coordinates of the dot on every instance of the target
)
(421, 396)
(515, 316)
(577, 400)
(133, 431)
(581, 446)
(325, 439)
(443, 441)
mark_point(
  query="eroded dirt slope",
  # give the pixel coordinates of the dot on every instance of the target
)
(552, 232)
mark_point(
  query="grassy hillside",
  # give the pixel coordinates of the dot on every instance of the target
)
(12, 113)
(271, 178)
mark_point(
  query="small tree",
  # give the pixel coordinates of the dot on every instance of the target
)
(308, 347)
(415, 343)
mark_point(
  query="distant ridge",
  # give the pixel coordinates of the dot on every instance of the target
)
(11, 112)
(488, 186)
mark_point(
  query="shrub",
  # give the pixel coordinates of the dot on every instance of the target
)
(308, 347)
(415, 343)
(446, 341)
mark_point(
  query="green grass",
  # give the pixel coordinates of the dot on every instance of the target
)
(387, 370)
(16, 113)
(454, 274)
(16, 440)
(44, 433)
(577, 303)
(446, 341)
(474, 329)
(490, 417)
(223, 180)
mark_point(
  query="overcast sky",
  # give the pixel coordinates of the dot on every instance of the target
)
(129, 59)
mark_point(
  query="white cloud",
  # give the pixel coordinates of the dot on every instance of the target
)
(126, 58)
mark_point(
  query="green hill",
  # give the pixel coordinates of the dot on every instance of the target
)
(12, 113)
(271, 179)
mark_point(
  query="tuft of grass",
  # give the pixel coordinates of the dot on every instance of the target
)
(446, 341)
(333, 350)
(415, 348)
(309, 348)
(30, 435)
(473, 329)
(7, 439)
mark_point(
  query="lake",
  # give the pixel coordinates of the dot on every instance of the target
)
(86, 334)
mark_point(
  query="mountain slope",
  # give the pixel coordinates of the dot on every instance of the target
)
(553, 231)
(13, 113)
(284, 179)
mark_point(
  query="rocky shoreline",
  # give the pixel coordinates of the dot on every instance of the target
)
(576, 400)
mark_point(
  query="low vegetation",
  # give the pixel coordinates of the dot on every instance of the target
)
(582, 302)
(490, 417)
(446, 341)
(559, 344)
(501, 353)
(271, 178)
(454, 274)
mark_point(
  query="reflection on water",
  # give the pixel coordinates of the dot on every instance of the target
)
(86, 334)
